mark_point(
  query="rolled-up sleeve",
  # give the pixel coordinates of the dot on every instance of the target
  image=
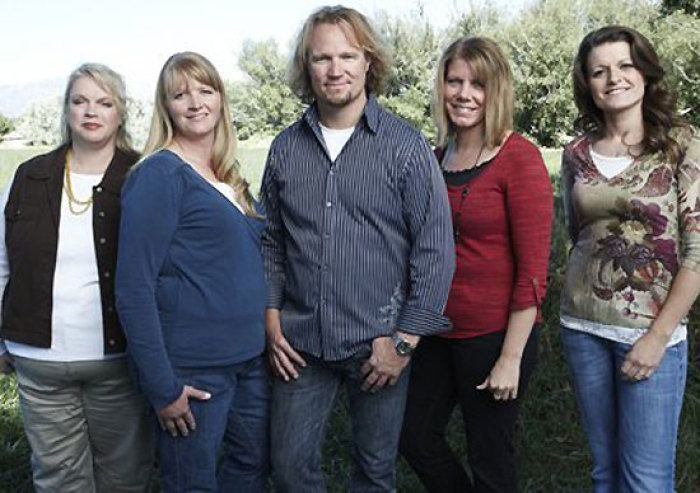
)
(432, 255)
(529, 204)
(149, 219)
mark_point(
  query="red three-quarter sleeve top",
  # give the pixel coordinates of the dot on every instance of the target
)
(502, 247)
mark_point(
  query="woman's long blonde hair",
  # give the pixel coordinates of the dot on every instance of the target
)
(189, 65)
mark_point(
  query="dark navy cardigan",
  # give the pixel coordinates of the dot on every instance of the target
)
(190, 286)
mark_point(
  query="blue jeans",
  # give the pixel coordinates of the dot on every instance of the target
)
(300, 409)
(236, 416)
(632, 426)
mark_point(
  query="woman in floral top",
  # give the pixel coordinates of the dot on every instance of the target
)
(631, 189)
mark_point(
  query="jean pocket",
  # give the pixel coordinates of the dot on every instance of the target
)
(213, 382)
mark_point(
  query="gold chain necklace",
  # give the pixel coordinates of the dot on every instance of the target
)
(75, 205)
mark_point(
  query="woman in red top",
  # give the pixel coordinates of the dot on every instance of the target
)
(501, 199)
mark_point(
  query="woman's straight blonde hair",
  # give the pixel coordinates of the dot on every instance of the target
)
(113, 84)
(177, 69)
(490, 66)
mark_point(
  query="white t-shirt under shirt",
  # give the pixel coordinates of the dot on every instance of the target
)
(335, 139)
(610, 166)
(76, 319)
(226, 190)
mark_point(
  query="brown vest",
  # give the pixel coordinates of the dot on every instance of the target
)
(31, 236)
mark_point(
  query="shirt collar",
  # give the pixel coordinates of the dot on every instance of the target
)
(370, 115)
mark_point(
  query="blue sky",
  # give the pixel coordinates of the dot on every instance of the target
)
(46, 39)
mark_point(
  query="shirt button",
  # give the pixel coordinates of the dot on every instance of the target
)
(328, 204)
(103, 241)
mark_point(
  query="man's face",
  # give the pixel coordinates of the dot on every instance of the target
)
(337, 67)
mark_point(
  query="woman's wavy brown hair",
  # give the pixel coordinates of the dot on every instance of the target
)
(658, 106)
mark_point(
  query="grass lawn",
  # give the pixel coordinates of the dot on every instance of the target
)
(553, 453)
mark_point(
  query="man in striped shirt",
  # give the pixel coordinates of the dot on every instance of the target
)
(358, 255)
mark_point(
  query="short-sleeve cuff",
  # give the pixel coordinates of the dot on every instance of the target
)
(421, 322)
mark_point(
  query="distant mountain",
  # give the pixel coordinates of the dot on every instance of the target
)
(15, 99)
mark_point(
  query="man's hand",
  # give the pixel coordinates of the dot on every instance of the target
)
(177, 415)
(281, 355)
(6, 366)
(645, 356)
(503, 379)
(384, 365)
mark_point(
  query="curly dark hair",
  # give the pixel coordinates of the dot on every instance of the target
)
(658, 106)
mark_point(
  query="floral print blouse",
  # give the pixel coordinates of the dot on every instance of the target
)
(630, 233)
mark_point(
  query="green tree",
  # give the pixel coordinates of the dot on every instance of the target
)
(690, 7)
(6, 125)
(41, 123)
(263, 104)
(542, 42)
(415, 47)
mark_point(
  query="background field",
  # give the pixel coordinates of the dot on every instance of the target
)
(553, 452)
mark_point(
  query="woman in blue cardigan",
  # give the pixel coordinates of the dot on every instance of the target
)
(190, 287)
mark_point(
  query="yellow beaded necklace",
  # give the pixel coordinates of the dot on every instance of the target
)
(75, 205)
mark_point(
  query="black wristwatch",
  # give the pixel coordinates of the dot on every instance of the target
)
(402, 346)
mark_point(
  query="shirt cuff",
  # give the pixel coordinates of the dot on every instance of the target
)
(275, 295)
(421, 322)
(159, 400)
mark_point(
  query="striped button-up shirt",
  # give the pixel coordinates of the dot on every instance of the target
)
(357, 247)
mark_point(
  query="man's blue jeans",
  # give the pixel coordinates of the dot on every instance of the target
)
(632, 426)
(300, 409)
(236, 416)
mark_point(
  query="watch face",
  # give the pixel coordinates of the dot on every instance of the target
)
(403, 348)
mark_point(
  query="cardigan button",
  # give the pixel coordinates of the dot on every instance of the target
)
(107, 274)
(111, 342)
(98, 188)
(103, 241)
(101, 214)
(110, 309)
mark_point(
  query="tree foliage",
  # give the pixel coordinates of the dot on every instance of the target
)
(6, 125)
(41, 123)
(415, 46)
(540, 41)
(690, 7)
(263, 104)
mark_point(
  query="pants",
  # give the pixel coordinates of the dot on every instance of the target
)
(236, 416)
(632, 426)
(300, 410)
(86, 425)
(445, 373)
